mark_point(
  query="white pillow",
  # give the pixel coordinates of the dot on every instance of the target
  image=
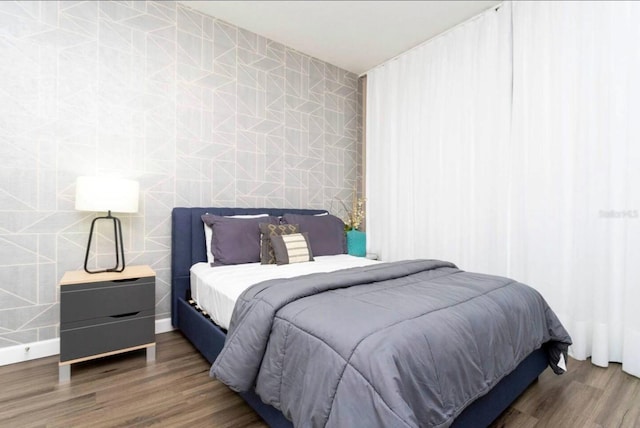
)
(208, 232)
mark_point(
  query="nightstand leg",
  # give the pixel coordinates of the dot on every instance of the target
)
(64, 373)
(151, 353)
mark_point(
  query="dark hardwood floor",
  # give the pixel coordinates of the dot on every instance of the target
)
(176, 391)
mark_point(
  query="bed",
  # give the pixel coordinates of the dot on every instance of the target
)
(188, 248)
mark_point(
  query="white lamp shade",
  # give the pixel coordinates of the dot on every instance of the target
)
(107, 194)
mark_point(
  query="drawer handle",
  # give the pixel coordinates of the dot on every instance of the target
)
(125, 280)
(125, 315)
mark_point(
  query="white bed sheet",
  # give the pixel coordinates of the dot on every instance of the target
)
(216, 289)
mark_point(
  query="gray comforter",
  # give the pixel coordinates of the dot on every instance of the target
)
(402, 344)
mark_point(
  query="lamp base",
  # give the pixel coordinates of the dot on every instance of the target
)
(119, 247)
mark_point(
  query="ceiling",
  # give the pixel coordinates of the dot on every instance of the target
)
(354, 35)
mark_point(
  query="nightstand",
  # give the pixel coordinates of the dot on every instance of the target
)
(105, 314)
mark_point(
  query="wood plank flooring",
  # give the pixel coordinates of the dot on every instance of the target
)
(176, 391)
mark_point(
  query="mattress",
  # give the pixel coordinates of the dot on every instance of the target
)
(216, 289)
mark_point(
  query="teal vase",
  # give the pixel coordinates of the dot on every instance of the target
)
(357, 243)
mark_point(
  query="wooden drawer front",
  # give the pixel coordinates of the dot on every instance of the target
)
(110, 336)
(102, 299)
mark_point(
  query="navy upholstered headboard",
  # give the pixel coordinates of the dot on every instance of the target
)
(188, 246)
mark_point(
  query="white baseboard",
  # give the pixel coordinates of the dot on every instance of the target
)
(29, 351)
(46, 348)
(164, 325)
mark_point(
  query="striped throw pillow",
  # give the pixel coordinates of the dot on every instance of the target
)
(293, 248)
(267, 255)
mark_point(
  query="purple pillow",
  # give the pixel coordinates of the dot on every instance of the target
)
(235, 240)
(326, 233)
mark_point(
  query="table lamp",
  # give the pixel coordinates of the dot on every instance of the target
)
(108, 194)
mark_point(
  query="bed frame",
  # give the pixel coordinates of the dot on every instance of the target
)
(188, 248)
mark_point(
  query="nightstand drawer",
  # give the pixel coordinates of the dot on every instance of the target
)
(106, 335)
(107, 298)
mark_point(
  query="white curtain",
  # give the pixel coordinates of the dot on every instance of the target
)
(437, 134)
(575, 143)
(525, 165)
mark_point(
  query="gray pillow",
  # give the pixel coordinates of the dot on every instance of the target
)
(267, 256)
(292, 248)
(235, 240)
(326, 233)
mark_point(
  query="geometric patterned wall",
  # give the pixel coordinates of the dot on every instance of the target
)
(201, 112)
